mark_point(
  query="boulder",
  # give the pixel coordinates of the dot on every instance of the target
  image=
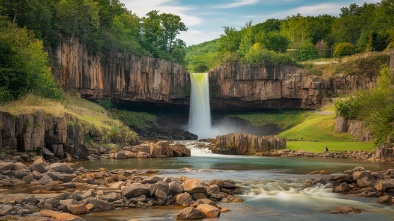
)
(384, 185)
(19, 166)
(45, 180)
(151, 180)
(58, 215)
(39, 165)
(345, 210)
(77, 209)
(190, 213)
(60, 167)
(175, 188)
(135, 190)
(160, 194)
(184, 199)
(343, 187)
(99, 205)
(387, 199)
(364, 182)
(6, 166)
(209, 211)
(361, 174)
(194, 186)
(161, 185)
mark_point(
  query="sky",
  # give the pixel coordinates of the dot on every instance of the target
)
(205, 19)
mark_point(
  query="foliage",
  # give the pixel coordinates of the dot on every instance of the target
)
(374, 106)
(23, 65)
(344, 49)
(135, 119)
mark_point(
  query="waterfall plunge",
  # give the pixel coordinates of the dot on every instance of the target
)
(200, 111)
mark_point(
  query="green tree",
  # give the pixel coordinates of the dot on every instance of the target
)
(172, 26)
(80, 18)
(23, 65)
(246, 39)
(274, 41)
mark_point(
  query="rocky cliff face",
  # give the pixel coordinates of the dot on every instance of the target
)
(247, 144)
(353, 127)
(255, 86)
(233, 86)
(32, 132)
(121, 77)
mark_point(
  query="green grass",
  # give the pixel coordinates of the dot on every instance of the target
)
(318, 147)
(284, 119)
(136, 119)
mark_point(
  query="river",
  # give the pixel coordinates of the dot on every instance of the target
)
(273, 187)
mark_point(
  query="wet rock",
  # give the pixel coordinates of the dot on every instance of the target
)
(343, 187)
(183, 199)
(21, 173)
(209, 211)
(61, 176)
(361, 174)
(175, 188)
(197, 196)
(151, 180)
(59, 215)
(341, 177)
(6, 209)
(194, 186)
(135, 190)
(160, 194)
(213, 189)
(190, 213)
(364, 182)
(99, 205)
(384, 185)
(345, 210)
(387, 199)
(77, 209)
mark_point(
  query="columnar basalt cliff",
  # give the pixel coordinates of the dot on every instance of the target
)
(254, 86)
(233, 86)
(120, 76)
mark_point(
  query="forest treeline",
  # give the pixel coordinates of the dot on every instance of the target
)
(359, 28)
(30, 29)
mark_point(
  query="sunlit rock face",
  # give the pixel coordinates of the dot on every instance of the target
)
(233, 86)
(254, 86)
(121, 77)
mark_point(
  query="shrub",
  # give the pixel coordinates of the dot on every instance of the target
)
(344, 49)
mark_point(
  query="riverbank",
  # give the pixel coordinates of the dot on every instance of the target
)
(58, 191)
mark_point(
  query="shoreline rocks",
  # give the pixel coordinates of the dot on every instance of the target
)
(60, 190)
(365, 183)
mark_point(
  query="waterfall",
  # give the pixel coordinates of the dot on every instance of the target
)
(200, 111)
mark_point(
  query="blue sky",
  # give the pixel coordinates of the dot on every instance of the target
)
(205, 18)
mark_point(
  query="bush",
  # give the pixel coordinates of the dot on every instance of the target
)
(344, 49)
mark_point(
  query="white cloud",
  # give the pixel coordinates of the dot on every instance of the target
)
(237, 3)
(140, 8)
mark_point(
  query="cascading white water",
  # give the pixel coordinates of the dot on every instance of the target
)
(200, 111)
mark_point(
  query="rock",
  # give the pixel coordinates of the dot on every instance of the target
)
(194, 186)
(247, 144)
(151, 180)
(28, 178)
(59, 215)
(189, 213)
(39, 165)
(345, 210)
(5, 209)
(48, 155)
(45, 180)
(364, 182)
(184, 199)
(60, 167)
(160, 194)
(161, 185)
(341, 177)
(61, 176)
(384, 185)
(204, 201)
(21, 173)
(37, 175)
(19, 166)
(120, 155)
(135, 190)
(197, 196)
(213, 189)
(343, 187)
(387, 199)
(209, 211)
(99, 205)
(77, 209)
(175, 188)
(6, 166)
(361, 174)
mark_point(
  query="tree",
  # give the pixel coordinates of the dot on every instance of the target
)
(172, 26)
(275, 41)
(23, 65)
(246, 39)
(79, 18)
(230, 40)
